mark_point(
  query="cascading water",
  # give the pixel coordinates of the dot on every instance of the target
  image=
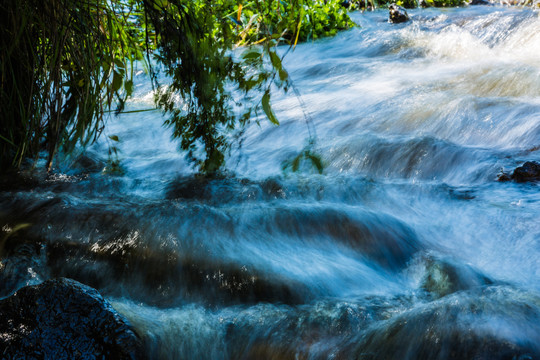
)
(407, 247)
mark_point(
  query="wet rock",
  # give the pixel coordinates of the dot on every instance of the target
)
(381, 238)
(444, 277)
(213, 189)
(63, 319)
(17, 181)
(22, 267)
(529, 171)
(504, 177)
(229, 283)
(88, 163)
(163, 279)
(225, 189)
(397, 14)
(480, 2)
(311, 331)
(273, 352)
(491, 323)
(21, 260)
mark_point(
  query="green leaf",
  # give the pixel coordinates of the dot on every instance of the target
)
(119, 63)
(283, 75)
(267, 109)
(316, 161)
(296, 163)
(114, 138)
(276, 61)
(128, 85)
(116, 82)
(251, 55)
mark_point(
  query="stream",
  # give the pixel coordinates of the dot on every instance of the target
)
(406, 247)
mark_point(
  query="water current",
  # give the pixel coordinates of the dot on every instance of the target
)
(406, 247)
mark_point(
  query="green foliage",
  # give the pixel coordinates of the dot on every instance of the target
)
(408, 4)
(411, 4)
(207, 111)
(294, 20)
(65, 63)
(445, 3)
(193, 48)
(306, 159)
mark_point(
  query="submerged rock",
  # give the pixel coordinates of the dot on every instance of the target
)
(308, 331)
(529, 171)
(63, 319)
(490, 323)
(380, 238)
(88, 163)
(162, 279)
(397, 14)
(21, 260)
(21, 268)
(444, 277)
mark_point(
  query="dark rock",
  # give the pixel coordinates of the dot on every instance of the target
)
(88, 163)
(64, 319)
(225, 190)
(530, 171)
(397, 14)
(21, 259)
(504, 177)
(480, 2)
(21, 267)
(218, 189)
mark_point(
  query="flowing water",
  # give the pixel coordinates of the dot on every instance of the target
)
(406, 247)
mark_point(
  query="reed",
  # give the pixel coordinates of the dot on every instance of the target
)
(63, 63)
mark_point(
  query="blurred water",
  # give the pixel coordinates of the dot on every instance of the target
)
(406, 246)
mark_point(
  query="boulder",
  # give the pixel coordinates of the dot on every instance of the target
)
(64, 319)
(529, 171)
(397, 14)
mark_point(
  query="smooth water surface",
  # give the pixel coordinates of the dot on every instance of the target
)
(406, 247)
